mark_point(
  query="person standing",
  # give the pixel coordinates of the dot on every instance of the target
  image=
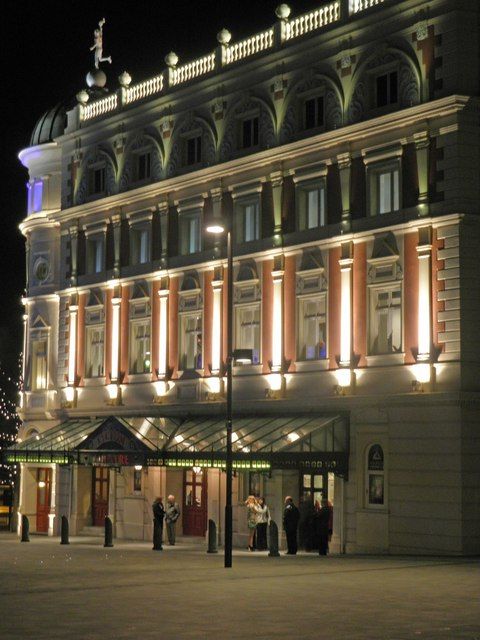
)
(158, 516)
(172, 514)
(291, 516)
(323, 527)
(252, 519)
(263, 518)
(305, 525)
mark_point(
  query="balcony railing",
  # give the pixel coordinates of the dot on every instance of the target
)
(284, 31)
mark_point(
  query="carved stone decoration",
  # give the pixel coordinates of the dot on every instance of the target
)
(292, 126)
(99, 156)
(231, 135)
(147, 142)
(191, 124)
(363, 98)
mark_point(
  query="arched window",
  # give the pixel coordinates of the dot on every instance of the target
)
(375, 476)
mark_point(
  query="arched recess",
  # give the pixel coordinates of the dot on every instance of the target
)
(361, 98)
(187, 127)
(239, 109)
(98, 157)
(138, 143)
(313, 84)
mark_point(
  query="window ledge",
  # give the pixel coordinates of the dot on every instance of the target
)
(140, 377)
(312, 365)
(247, 369)
(94, 382)
(385, 359)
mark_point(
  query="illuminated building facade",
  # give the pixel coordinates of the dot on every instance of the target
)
(344, 145)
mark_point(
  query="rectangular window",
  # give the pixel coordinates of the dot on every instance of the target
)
(190, 237)
(191, 341)
(385, 321)
(96, 181)
(312, 207)
(94, 255)
(388, 190)
(39, 363)
(250, 222)
(139, 245)
(247, 330)
(250, 133)
(140, 357)
(312, 324)
(314, 113)
(387, 89)
(94, 351)
(144, 166)
(37, 196)
(193, 150)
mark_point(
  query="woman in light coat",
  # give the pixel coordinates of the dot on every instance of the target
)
(252, 513)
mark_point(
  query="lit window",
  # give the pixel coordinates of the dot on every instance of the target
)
(94, 351)
(96, 180)
(189, 229)
(250, 221)
(139, 245)
(375, 477)
(95, 254)
(191, 342)
(140, 357)
(385, 321)
(250, 132)
(193, 150)
(247, 330)
(388, 191)
(39, 362)
(387, 89)
(314, 113)
(144, 166)
(37, 196)
(312, 323)
(311, 207)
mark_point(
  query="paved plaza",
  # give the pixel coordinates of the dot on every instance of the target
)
(85, 591)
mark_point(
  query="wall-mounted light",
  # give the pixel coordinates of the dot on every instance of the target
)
(277, 386)
(70, 397)
(293, 436)
(162, 387)
(216, 388)
(42, 484)
(424, 374)
(345, 381)
(114, 395)
(138, 467)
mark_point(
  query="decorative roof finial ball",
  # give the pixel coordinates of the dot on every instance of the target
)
(224, 36)
(96, 79)
(125, 79)
(82, 97)
(283, 11)
(171, 59)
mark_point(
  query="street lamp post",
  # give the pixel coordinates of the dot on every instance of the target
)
(218, 227)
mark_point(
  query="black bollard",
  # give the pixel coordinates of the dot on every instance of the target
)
(108, 532)
(64, 531)
(273, 539)
(25, 529)
(212, 537)
(157, 536)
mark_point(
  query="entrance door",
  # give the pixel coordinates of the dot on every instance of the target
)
(44, 494)
(194, 503)
(317, 487)
(100, 496)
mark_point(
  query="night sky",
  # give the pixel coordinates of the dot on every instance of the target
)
(45, 55)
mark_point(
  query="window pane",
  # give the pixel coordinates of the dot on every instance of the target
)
(375, 488)
(396, 191)
(318, 482)
(307, 481)
(386, 322)
(191, 342)
(247, 330)
(382, 90)
(250, 222)
(313, 205)
(310, 113)
(385, 192)
(393, 87)
(312, 329)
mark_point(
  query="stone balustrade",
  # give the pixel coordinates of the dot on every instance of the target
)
(249, 46)
(314, 20)
(144, 89)
(194, 69)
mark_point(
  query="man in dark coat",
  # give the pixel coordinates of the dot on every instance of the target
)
(305, 526)
(323, 527)
(158, 516)
(291, 516)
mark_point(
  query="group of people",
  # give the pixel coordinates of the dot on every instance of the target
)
(170, 513)
(313, 522)
(258, 519)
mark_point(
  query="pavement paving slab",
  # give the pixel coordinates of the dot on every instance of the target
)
(84, 591)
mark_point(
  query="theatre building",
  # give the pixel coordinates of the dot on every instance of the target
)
(342, 146)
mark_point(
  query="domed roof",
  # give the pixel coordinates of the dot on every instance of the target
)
(51, 125)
